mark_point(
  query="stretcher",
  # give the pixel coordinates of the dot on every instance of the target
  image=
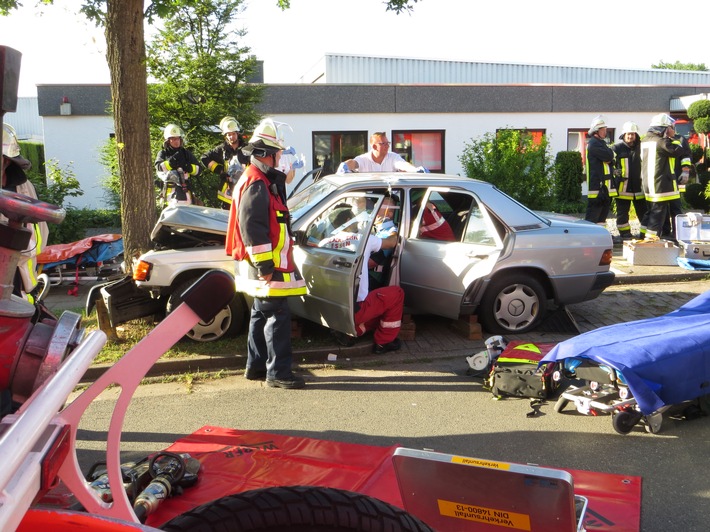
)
(637, 371)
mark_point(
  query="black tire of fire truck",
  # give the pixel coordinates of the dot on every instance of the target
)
(227, 323)
(296, 509)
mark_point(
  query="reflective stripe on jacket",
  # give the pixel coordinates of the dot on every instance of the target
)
(258, 232)
(600, 159)
(659, 181)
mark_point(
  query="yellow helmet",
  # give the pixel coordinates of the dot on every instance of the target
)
(172, 130)
(229, 124)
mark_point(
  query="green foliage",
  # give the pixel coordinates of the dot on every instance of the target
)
(61, 183)
(699, 109)
(702, 125)
(111, 180)
(569, 174)
(33, 151)
(696, 152)
(202, 70)
(78, 221)
(514, 162)
(695, 197)
(680, 66)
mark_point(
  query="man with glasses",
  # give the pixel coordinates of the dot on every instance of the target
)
(379, 159)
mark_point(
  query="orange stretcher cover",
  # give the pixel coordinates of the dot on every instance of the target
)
(233, 461)
(60, 252)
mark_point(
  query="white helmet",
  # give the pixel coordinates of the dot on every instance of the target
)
(629, 127)
(172, 130)
(229, 124)
(10, 146)
(266, 139)
(597, 124)
(662, 120)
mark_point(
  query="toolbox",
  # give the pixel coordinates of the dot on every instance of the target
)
(693, 235)
(658, 253)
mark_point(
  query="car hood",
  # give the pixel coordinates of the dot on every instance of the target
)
(192, 217)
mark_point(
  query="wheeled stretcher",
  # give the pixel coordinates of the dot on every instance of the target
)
(638, 370)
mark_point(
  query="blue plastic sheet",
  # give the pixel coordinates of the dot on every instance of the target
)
(664, 360)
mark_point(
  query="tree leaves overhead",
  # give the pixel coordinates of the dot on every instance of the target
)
(201, 69)
(680, 66)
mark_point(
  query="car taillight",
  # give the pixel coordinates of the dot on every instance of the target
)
(141, 271)
(54, 459)
(605, 260)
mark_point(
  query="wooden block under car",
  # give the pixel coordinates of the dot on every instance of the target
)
(408, 330)
(658, 253)
(468, 327)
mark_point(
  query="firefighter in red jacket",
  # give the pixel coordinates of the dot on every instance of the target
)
(259, 234)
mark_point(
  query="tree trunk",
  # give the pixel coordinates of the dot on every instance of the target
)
(125, 53)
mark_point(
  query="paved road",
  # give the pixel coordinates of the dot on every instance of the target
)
(422, 398)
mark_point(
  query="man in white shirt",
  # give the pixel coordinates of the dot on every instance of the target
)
(379, 159)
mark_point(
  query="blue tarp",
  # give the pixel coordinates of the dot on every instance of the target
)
(664, 360)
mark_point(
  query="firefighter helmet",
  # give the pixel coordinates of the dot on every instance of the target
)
(10, 146)
(597, 124)
(662, 120)
(629, 127)
(229, 124)
(172, 130)
(266, 139)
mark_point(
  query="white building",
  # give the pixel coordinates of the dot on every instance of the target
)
(429, 109)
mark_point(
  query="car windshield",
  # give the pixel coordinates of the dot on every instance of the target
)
(303, 201)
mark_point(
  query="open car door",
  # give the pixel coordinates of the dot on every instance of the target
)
(329, 255)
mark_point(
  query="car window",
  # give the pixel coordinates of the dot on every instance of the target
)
(443, 214)
(302, 202)
(342, 226)
(477, 230)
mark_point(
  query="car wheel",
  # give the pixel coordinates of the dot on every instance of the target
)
(513, 303)
(229, 321)
(296, 509)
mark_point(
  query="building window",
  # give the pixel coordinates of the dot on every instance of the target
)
(421, 148)
(577, 141)
(330, 148)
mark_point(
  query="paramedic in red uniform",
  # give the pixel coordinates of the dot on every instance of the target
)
(259, 232)
(434, 226)
(380, 309)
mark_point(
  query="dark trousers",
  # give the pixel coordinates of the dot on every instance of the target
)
(657, 215)
(598, 208)
(269, 344)
(623, 206)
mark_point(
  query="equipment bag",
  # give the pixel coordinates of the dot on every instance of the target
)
(515, 372)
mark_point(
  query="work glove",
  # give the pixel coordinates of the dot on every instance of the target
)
(684, 177)
(298, 163)
(289, 151)
(422, 170)
(176, 160)
(343, 169)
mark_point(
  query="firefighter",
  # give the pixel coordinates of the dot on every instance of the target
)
(221, 159)
(15, 179)
(599, 167)
(259, 233)
(659, 182)
(175, 157)
(681, 169)
(629, 187)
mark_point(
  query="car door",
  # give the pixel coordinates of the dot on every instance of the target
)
(329, 256)
(436, 267)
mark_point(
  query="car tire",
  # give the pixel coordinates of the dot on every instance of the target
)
(296, 509)
(228, 322)
(512, 304)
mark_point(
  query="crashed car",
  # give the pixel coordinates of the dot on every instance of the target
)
(464, 248)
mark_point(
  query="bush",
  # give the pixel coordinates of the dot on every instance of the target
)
(513, 161)
(699, 109)
(569, 175)
(78, 221)
(695, 197)
(33, 151)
